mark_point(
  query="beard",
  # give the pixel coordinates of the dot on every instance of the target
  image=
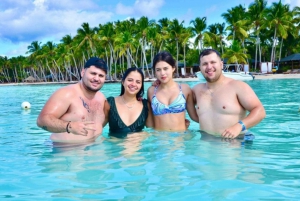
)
(89, 88)
(92, 89)
(211, 80)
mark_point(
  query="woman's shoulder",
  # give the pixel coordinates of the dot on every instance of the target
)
(151, 88)
(185, 87)
(150, 91)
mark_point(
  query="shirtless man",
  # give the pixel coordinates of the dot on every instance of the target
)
(222, 103)
(75, 113)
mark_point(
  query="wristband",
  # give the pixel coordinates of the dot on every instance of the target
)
(67, 128)
(243, 125)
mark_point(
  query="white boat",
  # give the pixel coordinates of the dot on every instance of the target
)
(237, 75)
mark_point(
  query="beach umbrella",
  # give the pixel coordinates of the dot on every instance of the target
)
(30, 79)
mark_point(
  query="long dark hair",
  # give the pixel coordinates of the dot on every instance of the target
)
(164, 56)
(140, 94)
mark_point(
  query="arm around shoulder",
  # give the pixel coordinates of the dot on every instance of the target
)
(150, 121)
(190, 103)
(106, 112)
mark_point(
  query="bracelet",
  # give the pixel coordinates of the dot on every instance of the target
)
(67, 128)
(243, 125)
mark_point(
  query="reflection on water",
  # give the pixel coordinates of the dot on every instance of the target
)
(160, 163)
(151, 165)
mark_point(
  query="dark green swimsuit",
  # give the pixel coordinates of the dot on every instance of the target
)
(117, 127)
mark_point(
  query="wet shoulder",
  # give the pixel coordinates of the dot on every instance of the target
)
(185, 86)
(100, 96)
(150, 91)
(237, 84)
(67, 92)
(198, 87)
(186, 89)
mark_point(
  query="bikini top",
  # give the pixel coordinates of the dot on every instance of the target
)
(118, 127)
(177, 106)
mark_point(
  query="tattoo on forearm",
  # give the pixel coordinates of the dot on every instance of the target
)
(85, 105)
(45, 128)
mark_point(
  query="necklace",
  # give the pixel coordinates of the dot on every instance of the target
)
(129, 107)
(211, 92)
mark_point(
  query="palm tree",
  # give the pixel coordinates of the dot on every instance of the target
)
(185, 37)
(125, 44)
(212, 36)
(85, 36)
(106, 34)
(34, 49)
(155, 39)
(296, 13)
(143, 26)
(5, 65)
(16, 65)
(280, 19)
(256, 15)
(176, 30)
(68, 50)
(236, 19)
(220, 34)
(198, 28)
(163, 30)
(48, 55)
(236, 54)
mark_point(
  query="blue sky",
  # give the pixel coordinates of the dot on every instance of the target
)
(24, 21)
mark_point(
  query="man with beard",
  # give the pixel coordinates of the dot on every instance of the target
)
(222, 103)
(75, 113)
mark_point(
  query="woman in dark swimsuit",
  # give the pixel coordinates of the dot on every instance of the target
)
(129, 113)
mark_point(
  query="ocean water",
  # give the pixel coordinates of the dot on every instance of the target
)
(153, 165)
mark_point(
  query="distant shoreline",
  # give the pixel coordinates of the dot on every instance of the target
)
(257, 77)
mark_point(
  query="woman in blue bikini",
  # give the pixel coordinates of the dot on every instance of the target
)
(169, 100)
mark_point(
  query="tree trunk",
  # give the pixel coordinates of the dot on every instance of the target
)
(280, 52)
(177, 58)
(273, 47)
(255, 62)
(131, 59)
(16, 74)
(144, 56)
(60, 75)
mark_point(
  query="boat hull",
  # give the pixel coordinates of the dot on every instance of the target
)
(243, 76)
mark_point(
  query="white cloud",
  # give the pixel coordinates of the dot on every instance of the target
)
(187, 17)
(149, 8)
(21, 21)
(292, 3)
(210, 10)
(124, 10)
(20, 50)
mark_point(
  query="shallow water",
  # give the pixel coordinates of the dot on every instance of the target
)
(153, 166)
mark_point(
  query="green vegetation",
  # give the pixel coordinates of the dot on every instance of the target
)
(258, 32)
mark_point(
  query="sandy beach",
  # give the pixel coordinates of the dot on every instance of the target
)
(257, 77)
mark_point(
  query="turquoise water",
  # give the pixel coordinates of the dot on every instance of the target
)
(154, 166)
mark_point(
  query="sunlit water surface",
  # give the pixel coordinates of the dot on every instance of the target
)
(153, 166)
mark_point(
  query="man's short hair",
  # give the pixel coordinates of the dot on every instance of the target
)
(97, 62)
(208, 52)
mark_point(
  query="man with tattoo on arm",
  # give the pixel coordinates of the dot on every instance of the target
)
(75, 113)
